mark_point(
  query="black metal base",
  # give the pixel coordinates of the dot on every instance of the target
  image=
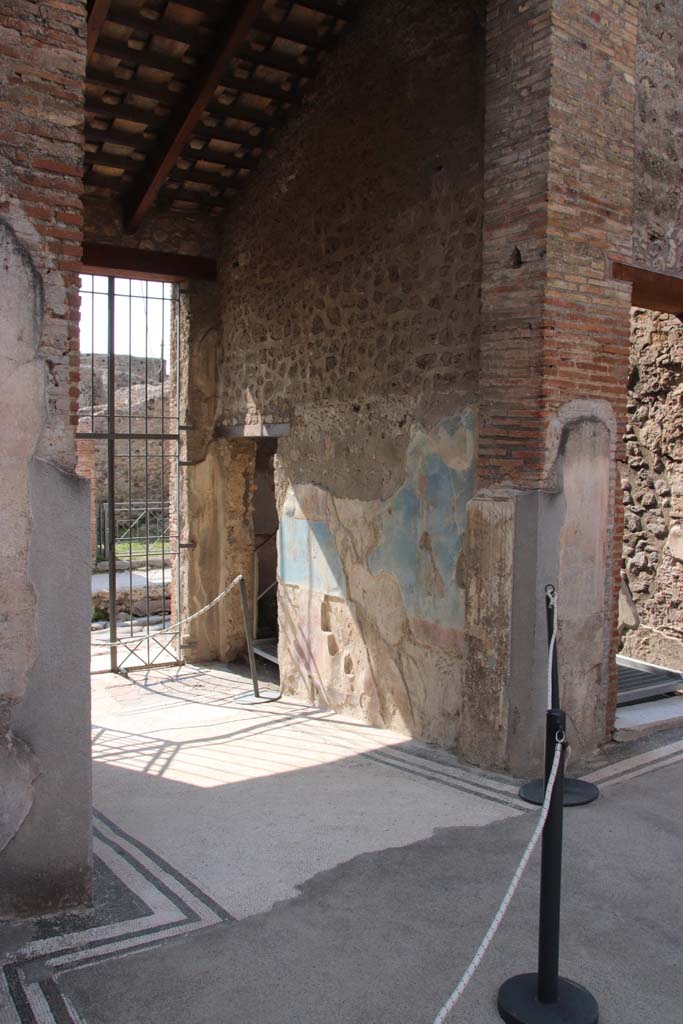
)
(264, 697)
(576, 791)
(518, 1003)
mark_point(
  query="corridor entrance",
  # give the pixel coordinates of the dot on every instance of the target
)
(128, 411)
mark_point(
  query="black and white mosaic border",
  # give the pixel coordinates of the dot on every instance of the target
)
(639, 764)
(29, 991)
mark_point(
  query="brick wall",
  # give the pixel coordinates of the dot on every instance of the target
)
(42, 63)
(560, 95)
(559, 154)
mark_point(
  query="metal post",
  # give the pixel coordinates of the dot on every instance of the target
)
(551, 866)
(576, 791)
(111, 461)
(175, 299)
(545, 997)
(247, 630)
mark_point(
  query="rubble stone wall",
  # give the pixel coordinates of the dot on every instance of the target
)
(148, 474)
(658, 197)
(349, 310)
(127, 370)
(652, 481)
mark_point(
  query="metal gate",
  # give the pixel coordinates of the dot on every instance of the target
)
(129, 389)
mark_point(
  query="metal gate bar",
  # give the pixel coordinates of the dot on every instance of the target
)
(131, 448)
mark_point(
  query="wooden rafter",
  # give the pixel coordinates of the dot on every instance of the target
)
(221, 81)
(168, 97)
(129, 163)
(97, 16)
(186, 117)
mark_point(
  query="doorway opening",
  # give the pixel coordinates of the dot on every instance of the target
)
(128, 445)
(265, 529)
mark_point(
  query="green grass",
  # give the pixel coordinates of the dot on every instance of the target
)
(138, 549)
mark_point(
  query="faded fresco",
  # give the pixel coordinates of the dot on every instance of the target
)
(372, 595)
(424, 525)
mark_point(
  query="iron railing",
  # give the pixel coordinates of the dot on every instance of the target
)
(142, 529)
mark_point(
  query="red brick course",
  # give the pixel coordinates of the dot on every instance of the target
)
(558, 186)
(42, 70)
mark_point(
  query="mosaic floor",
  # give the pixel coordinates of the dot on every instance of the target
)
(210, 810)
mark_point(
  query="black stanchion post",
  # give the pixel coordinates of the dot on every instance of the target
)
(551, 867)
(545, 997)
(576, 791)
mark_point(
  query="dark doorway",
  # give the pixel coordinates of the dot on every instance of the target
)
(265, 551)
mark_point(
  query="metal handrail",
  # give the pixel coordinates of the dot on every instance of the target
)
(257, 595)
(264, 592)
(264, 542)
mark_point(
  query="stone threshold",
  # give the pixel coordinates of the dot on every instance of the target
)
(648, 718)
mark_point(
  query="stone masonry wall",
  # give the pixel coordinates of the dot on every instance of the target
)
(45, 857)
(349, 310)
(127, 370)
(658, 197)
(192, 234)
(652, 579)
(652, 481)
(148, 475)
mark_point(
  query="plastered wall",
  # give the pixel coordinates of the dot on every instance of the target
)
(45, 804)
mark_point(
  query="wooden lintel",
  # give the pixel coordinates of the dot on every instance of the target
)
(651, 289)
(96, 19)
(193, 103)
(123, 261)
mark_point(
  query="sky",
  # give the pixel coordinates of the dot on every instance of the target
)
(142, 317)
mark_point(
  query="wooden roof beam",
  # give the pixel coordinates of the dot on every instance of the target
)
(651, 289)
(97, 15)
(147, 264)
(184, 121)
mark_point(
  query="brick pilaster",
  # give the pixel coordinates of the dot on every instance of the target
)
(558, 201)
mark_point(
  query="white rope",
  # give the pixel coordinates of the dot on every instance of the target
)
(512, 888)
(552, 600)
(174, 625)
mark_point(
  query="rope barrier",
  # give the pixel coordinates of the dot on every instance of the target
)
(175, 625)
(512, 888)
(560, 741)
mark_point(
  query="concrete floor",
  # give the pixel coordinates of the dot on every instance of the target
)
(274, 863)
